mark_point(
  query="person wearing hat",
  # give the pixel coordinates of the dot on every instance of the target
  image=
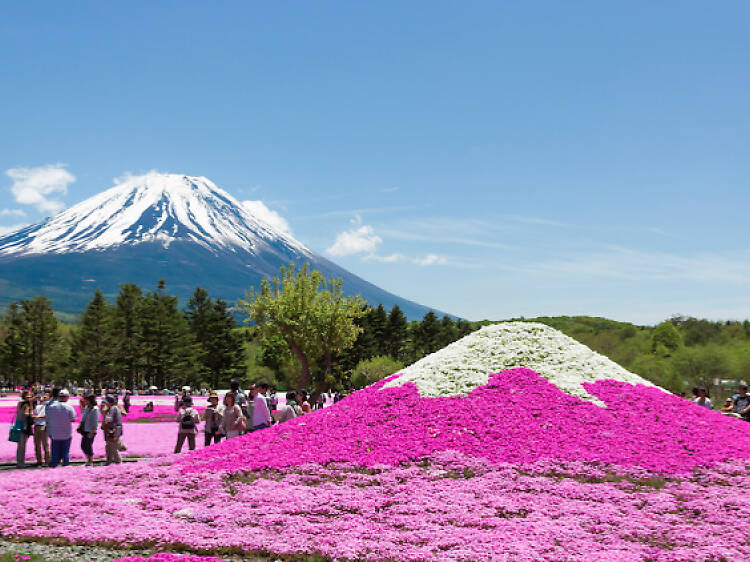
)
(60, 417)
(188, 418)
(112, 430)
(213, 416)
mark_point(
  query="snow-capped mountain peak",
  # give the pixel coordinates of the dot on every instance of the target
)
(154, 207)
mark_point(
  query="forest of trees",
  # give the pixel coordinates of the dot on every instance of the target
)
(300, 331)
(144, 339)
(677, 354)
(139, 340)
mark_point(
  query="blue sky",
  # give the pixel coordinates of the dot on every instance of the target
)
(488, 159)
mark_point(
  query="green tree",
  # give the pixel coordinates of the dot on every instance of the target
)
(448, 331)
(665, 334)
(378, 321)
(42, 340)
(13, 353)
(372, 370)
(221, 352)
(170, 352)
(396, 333)
(310, 315)
(701, 365)
(337, 330)
(428, 334)
(128, 335)
(92, 353)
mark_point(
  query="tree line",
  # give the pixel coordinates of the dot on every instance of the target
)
(140, 339)
(299, 331)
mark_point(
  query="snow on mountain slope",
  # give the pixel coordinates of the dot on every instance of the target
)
(152, 208)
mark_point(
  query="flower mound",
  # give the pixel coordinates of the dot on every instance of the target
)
(518, 417)
(517, 470)
(463, 365)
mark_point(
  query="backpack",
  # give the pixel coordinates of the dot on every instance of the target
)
(187, 421)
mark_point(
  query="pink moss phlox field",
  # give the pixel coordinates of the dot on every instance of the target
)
(518, 417)
(518, 470)
(443, 508)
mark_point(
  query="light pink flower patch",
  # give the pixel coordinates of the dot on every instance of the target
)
(516, 471)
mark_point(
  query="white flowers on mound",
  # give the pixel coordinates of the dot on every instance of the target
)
(463, 365)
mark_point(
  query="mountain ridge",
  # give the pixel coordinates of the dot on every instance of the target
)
(180, 228)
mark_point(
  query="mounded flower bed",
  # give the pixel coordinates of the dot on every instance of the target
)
(516, 469)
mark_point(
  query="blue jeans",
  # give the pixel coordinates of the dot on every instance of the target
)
(261, 426)
(60, 451)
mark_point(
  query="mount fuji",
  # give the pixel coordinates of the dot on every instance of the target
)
(183, 229)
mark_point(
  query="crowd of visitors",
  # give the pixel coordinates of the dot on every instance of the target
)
(46, 416)
(737, 405)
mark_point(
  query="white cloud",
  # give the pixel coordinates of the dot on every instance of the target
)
(41, 186)
(259, 210)
(392, 258)
(12, 213)
(431, 259)
(361, 240)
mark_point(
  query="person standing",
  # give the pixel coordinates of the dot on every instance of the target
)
(88, 427)
(702, 399)
(126, 402)
(112, 431)
(291, 410)
(41, 440)
(741, 402)
(212, 416)
(24, 422)
(188, 418)
(60, 418)
(233, 421)
(261, 415)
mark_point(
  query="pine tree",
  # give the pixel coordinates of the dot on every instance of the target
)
(221, 352)
(128, 337)
(13, 353)
(170, 352)
(428, 334)
(225, 352)
(378, 319)
(93, 353)
(396, 334)
(42, 341)
(448, 331)
(464, 328)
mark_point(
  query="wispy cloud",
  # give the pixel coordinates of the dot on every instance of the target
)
(41, 187)
(446, 230)
(389, 189)
(390, 258)
(12, 213)
(355, 241)
(619, 263)
(431, 259)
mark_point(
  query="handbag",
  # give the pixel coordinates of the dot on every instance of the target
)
(16, 430)
(15, 434)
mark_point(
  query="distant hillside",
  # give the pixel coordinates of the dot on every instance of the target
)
(702, 352)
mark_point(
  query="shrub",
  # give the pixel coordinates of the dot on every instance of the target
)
(369, 371)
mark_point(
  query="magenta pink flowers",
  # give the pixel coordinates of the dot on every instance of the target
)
(517, 417)
(518, 470)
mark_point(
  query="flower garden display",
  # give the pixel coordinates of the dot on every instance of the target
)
(567, 461)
